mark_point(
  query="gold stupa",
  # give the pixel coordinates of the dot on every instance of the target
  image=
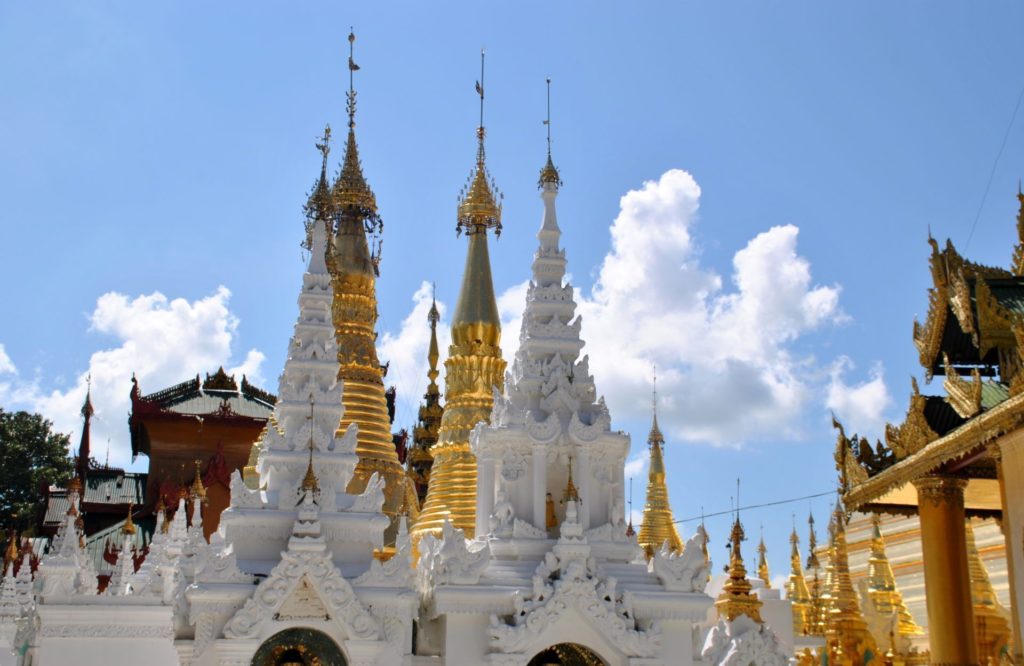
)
(882, 592)
(796, 589)
(848, 640)
(352, 261)
(736, 598)
(991, 623)
(474, 367)
(657, 527)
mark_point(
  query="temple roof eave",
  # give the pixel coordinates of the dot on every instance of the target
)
(957, 443)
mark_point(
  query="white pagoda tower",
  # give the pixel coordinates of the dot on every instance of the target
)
(552, 574)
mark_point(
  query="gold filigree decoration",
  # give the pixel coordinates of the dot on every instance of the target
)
(1017, 263)
(995, 321)
(914, 433)
(928, 336)
(963, 396)
(1017, 379)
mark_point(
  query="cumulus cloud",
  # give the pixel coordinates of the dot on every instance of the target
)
(406, 351)
(162, 341)
(720, 350)
(636, 465)
(860, 406)
(6, 366)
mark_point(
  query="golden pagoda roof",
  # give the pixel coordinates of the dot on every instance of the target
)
(658, 526)
(736, 598)
(846, 630)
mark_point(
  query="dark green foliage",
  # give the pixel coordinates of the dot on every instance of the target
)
(31, 455)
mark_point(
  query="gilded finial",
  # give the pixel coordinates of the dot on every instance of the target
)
(350, 189)
(478, 210)
(198, 490)
(129, 526)
(570, 494)
(310, 484)
(762, 562)
(11, 554)
(812, 544)
(549, 174)
(320, 205)
(736, 598)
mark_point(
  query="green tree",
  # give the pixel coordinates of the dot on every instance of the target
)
(31, 455)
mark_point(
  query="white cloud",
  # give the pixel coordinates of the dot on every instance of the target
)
(720, 352)
(860, 406)
(636, 465)
(163, 342)
(6, 366)
(406, 351)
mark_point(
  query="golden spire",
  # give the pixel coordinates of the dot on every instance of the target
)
(991, 627)
(846, 631)
(320, 206)
(478, 210)
(353, 261)
(549, 174)
(310, 484)
(351, 189)
(571, 494)
(474, 367)
(883, 594)
(11, 554)
(796, 588)
(198, 490)
(762, 563)
(128, 528)
(657, 527)
(736, 598)
(816, 588)
(420, 459)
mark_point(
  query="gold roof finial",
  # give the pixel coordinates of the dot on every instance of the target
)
(845, 627)
(549, 174)
(762, 562)
(350, 189)
(882, 592)
(736, 598)
(320, 205)
(657, 527)
(478, 210)
(198, 490)
(570, 494)
(310, 484)
(796, 587)
(129, 526)
(11, 554)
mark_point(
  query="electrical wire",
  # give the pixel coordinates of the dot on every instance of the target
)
(755, 506)
(992, 174)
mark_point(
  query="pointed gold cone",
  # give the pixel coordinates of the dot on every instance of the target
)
(736, 598)
(846, 632)
(474, 367)
(657, 527)
(796, 590)
(883, 594)
(991, 626)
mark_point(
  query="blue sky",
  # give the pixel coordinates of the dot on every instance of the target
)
(168, 149)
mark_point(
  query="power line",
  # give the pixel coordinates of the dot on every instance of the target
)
(756, 506)
(992, 174)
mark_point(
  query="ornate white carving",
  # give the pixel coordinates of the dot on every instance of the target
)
(332, 588)
(524, 530)
(451, 559)
(686, 572)
(566, 580)
(743, 642)
(397, 571)
(242, 496)
(513, 465)
(372, 498)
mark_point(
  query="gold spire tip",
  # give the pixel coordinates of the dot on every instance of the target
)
(549, 174)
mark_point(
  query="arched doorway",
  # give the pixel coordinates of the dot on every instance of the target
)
(299, 647)
(567, 654)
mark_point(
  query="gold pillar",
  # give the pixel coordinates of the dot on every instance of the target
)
(946, 576)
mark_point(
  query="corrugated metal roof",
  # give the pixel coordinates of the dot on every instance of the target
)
(111, 538)
(211, 402)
